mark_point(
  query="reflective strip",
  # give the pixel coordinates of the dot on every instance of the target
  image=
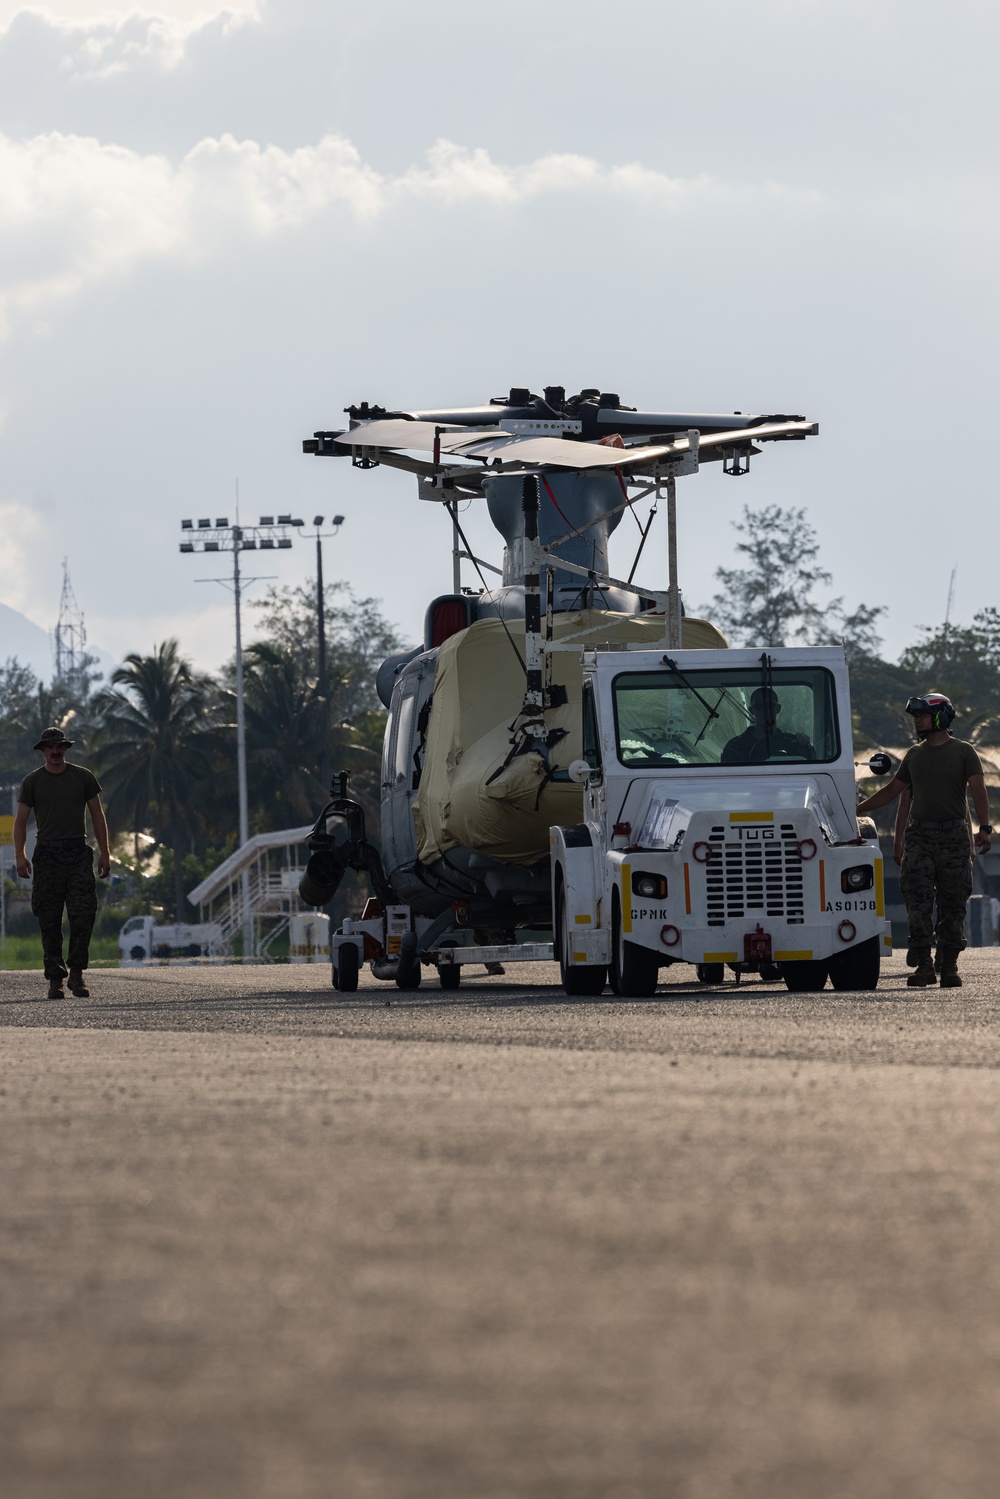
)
(626, 897)
(719, 957)
(822, 885)
(579, 957)
(687, 889)
(879, 892)
(582, 920)
(751, 817)
(794, 956)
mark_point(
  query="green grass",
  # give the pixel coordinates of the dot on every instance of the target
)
(26, 952)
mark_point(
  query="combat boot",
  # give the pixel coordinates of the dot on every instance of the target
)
(76, 985)
(950, 978)
(55, 989)
(925, 975)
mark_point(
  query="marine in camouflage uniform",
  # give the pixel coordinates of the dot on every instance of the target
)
(60, 794)
(63, 878)
(938, 773)
(937, 865)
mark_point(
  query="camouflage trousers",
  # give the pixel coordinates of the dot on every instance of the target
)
(63, 877)
(937, 865)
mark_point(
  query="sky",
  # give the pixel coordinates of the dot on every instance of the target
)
(219, 227)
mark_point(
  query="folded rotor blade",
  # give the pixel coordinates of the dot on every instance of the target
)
(397, 434)
(715, 444)
(511, 450)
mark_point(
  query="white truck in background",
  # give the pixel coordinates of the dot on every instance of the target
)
(142, 940)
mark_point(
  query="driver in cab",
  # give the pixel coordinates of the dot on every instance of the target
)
(763, 740)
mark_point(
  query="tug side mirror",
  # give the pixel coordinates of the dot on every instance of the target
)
(579, 772)
(880, 764)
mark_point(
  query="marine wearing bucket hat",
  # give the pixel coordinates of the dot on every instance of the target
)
(59, 794)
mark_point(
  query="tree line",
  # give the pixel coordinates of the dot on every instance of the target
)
(770, 599)
(161, 736)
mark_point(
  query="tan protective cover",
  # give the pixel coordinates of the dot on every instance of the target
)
(478, 692)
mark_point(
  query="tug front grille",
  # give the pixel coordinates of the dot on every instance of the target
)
(755, 878)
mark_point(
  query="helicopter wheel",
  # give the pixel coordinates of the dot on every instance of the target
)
(408, 966)
(345, 973)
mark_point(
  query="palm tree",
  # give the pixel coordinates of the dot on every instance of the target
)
(154, 747)
(284, 723)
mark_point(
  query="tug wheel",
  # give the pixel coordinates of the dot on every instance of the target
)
(807, 976)
(577, 978)
(634, 969)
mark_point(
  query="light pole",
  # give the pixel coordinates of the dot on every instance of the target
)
(336, 522)
(270, 535)
(6, 841)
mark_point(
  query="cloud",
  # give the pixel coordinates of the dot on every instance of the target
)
(216, 234)
(23, 529)
(97, 41)
(74, 210)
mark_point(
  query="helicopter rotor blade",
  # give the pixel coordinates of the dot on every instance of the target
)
(504, 449)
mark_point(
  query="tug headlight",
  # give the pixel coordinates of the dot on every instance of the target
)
(860, 877)
(650, 886)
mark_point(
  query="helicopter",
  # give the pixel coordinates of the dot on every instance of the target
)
(484, 733)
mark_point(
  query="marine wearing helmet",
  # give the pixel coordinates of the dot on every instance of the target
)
(937, 773)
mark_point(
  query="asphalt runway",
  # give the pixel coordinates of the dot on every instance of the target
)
(263, 1241)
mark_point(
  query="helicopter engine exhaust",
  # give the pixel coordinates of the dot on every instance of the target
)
(338, 842)
(321, 878)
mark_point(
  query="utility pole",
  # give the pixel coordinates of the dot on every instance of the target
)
(269, 535)
(322, 686)
(6, 841)
(241, 728)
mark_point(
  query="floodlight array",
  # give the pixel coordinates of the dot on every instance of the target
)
(268, 536)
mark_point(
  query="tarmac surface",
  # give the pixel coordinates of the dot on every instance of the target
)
(259, 1240)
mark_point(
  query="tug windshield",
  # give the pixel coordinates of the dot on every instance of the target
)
(726, 717)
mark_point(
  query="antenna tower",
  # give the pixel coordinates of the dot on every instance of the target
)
(71, 633)
(951, 596)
